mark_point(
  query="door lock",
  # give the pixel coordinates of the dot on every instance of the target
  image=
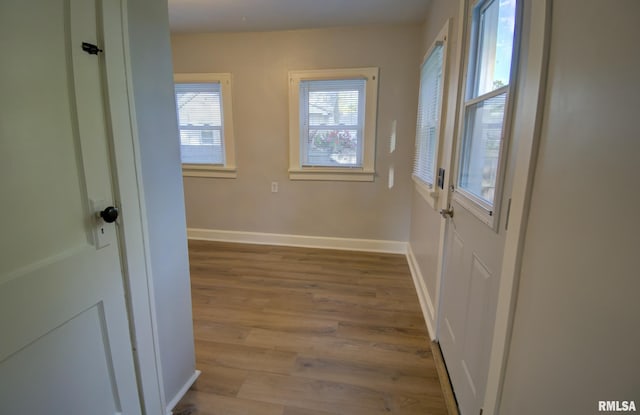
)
(104, 214)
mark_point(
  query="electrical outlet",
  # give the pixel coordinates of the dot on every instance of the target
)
(274, 187)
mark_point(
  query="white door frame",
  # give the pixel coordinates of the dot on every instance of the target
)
(129, 197)
(526, 127)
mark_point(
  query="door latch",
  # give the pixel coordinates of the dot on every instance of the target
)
(90, 48)
(104, 234)
(440, 179)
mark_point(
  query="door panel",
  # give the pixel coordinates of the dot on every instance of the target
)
(65, 345)
(456, 284)
(33, 383)
(38, 136)
(474, 252)
(455, 291)
(475, 348)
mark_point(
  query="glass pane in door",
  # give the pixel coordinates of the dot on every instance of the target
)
(481, 148)
(496, 25)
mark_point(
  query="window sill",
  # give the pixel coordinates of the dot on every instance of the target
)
(428, 193)
(332, 174)
(209, 170)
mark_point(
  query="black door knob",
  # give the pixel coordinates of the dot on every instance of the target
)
(109, 214)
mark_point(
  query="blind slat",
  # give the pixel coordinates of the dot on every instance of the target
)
(332, 122)
(430, 98)
(200, 119)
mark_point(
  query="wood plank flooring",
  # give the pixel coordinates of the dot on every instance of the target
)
(295, 331)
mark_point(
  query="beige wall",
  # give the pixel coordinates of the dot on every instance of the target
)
(575, 338)
(426, 221)
(260, 63)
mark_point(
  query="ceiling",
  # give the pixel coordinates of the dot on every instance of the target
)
(266, 15)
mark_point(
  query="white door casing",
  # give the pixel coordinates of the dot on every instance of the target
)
(66, 347)
(527, 124)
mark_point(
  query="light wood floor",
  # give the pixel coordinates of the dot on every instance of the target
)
(293, 331)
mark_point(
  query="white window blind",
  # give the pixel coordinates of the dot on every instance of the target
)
(430, 99)
(332, 115)
(199, 107)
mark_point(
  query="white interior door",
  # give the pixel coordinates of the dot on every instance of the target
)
(475, 232)
(65, 346)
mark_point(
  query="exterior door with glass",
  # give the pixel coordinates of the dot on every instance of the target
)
(475, 230)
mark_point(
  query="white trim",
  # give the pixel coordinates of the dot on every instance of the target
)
(302, 241)
(209, 170)
(183, 390)
(430, 191)
(528, 130)
(228, 171)
(319, 173)
(366, 172)
(424, 296)
(129, 196)
(451, 130)
(487, 96)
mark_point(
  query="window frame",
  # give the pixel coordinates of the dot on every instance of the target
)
(486, 213)
(365, 172)
(430, 193)
(229, 169)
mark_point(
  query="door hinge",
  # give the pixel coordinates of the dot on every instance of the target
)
(90, 48)
(448, 212)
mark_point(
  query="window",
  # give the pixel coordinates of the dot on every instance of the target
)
(332, 124)
(203, 104)
(486, 99)
(428, 129)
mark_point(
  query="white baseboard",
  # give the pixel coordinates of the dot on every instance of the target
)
(347, 244)
(423, 293)
(173, 402)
